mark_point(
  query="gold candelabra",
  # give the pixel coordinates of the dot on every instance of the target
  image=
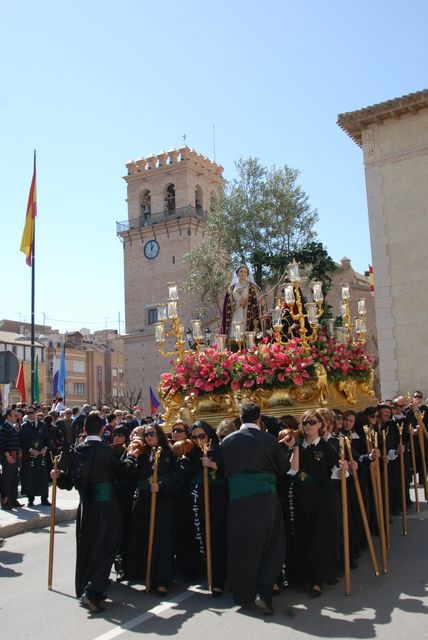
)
(309, 312)
(345, 333)
(168, 313)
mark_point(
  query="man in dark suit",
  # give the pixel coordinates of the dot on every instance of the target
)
(256, 540)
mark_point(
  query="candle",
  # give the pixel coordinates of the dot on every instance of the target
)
(345, 292)
(172, 309)
(289, 294)
(317, 289)
(220, 340)
(341, 333)
(159, 334)
(182, 334)
(293, 271)
(162, 312)
(361, 306)
(276, 317)
(172, 291)
(343, 310)
(238, 336)
(360, 325)
(311, 309)
(196, 329)
(330, 326)
(249, 338)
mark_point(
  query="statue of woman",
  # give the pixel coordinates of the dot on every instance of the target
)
(242, 305)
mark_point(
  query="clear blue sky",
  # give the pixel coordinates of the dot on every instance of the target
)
(91, 85)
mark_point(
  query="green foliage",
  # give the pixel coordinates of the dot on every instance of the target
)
(261, 215)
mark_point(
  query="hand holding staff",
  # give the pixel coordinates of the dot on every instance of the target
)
(156, 452)
(54, 475)
(345, 522)
(403, 486)
(378, 505)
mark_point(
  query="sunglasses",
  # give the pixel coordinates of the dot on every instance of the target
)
(177, 430)
(309, 422)
(150, 434)
(200, 436)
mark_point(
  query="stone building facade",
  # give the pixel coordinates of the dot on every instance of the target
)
(394, 138)
(168, 202)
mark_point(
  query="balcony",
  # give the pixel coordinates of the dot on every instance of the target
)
(149, 219)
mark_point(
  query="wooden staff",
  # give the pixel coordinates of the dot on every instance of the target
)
(422, 429)
(345, 522)
(376, 502)
(382, 535)
(386, 488)
(55, 462)
(362, 509)
(413, 456)
(207, 520)
(156, 452)
(403, 483)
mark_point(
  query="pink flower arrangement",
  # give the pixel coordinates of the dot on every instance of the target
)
(342, 360)
(264, 365)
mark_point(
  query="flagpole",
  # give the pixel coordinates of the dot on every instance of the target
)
(33, 288)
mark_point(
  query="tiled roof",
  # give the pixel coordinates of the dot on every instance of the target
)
(353, 122)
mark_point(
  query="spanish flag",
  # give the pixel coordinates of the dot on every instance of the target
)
(27, 241)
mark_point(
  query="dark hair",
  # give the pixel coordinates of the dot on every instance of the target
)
(201, 424)
(93, 424)
(162, 439)
(9, 412)
(250, 411)
(349, 412)
(111, 417)
(75, 410)
(121, 430)
(289, 421)
(370, 412)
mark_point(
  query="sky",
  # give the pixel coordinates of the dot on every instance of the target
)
(91, 85)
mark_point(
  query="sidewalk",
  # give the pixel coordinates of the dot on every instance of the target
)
(36, 517)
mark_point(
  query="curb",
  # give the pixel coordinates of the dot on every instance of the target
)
(22, 526)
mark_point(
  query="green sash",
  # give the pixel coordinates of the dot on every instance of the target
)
(242, 485)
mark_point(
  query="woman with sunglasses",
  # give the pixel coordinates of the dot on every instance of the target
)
(153, 437)
(310, 526)
(192, 466)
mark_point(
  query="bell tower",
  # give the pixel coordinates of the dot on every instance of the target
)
(168, 203)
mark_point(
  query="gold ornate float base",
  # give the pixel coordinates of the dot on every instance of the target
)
(294, 400)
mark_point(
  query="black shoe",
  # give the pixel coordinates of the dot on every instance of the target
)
(263, 600)
(31, 502)
(7, 507)
(91, 603)
(45, 502)
(316, 590)
(120, 576)
(17, 504)
(333, 581)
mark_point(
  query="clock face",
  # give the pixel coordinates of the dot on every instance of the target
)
(151, 249)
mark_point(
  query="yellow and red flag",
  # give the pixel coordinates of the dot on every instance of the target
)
(27, 241)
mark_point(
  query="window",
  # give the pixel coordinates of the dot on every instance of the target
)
(78, 388)
(169, 198)
(78, 366)
(152, 315)
(114, 373)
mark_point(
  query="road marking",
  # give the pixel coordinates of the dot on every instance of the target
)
(155, 611)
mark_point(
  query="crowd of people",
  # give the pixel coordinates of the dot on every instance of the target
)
(274, 506)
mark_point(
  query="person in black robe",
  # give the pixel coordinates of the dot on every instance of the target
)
(166, 487)
(192, 465)
(94, 469)
(310, 524)
(34, 442)
(252, 460)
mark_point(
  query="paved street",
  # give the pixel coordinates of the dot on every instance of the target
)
(390, 606)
